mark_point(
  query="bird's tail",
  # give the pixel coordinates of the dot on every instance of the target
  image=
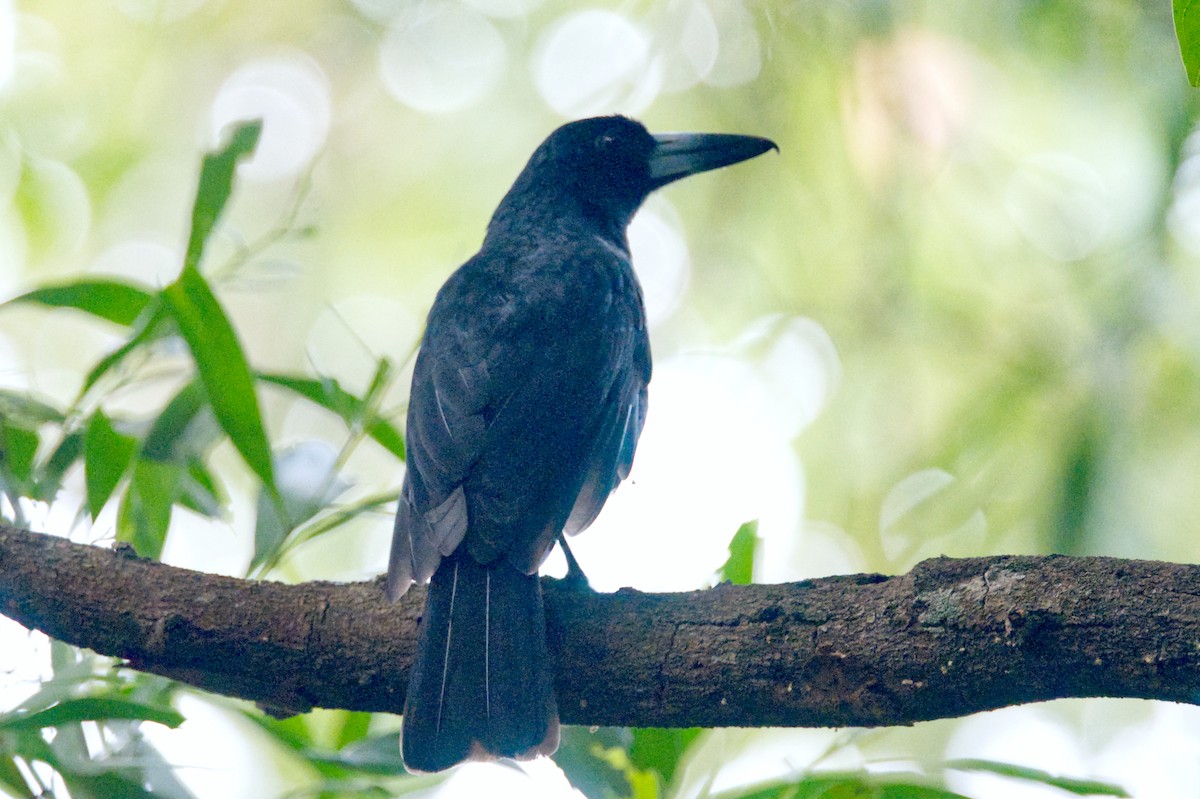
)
(481, 685)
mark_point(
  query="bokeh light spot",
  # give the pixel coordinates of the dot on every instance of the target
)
(1183, 218)
(55, 207)
(291, 95)
(441, 57)
(379, 10)
(798, 364)
(1060, 204)
(739, 59)
(688, 41)
(8, 41)
(504, 8)
(712, 457)
(354, 331)
(158, 11)
(152, 262)
(660, 257)
(591, 62)
(1023, 736)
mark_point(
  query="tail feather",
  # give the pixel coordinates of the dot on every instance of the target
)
(481, 685)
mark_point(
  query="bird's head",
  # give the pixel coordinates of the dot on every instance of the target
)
(606, 166)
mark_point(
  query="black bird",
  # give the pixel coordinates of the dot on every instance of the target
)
(527, 401)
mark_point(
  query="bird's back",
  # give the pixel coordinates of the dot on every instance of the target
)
(529, 390)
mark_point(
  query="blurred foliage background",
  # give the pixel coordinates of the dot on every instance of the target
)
(956, 314)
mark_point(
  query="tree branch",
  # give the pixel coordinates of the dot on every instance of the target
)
(951, 637)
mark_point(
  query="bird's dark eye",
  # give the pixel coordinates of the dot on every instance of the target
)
(604, 141)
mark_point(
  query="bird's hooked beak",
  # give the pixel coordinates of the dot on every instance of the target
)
(677, 155)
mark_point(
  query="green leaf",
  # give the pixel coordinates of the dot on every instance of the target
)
(201, 492)
(50, 476)
(148, 327)
(292, 732)
(18, 447)
(1187, 31)
(11, 779)
(329, 394)
(91, 709)
(25, 410)
(661, 749)
(113, 300)
(379, 380)
(377, 428)
(107, 454)
(595, 760)
(223, 369)
(739, 568)
(848, 786)
(325, 391)
(379, 754)
(323, 522)
(354, 727)
(181, 429)
(308, 483)
(215, 186)
(106, 785)
(1078, 787)
(145, 513)
(1082, 451)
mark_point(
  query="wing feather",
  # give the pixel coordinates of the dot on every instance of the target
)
(524, 413)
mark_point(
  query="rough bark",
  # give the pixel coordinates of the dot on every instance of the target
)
(949, 638)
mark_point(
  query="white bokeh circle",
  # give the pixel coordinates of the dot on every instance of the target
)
(590, 62)
(291, 94)
(660, 256)
(441, 57)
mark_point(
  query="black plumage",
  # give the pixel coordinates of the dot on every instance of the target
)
(528, 397)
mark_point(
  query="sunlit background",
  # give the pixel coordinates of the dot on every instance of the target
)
(958, 313)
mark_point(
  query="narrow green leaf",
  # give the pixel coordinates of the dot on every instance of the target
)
(1083, 451)
(145, 513)
(848, 786)
(18, 447)
(323, 523)
(379, 754)
(329, 394)
(292, 732)
(355, 727)
(11, 779)
(201, 492)
(25, 410)
(914, 790)
(112, 300)
(49, 477)
(107, 454)
(91, 709)
(379, 380)
(223, 370)
(1187, 31)
(387, 436)
(215, 186)
(148, 327)
(739, 568)
(378, 428)
(105, 785)
(270, 530)
(595, 760)
(308, 484)
(30, 745)
(326, 392)
(661, 749)
(1071, 785)
(172, 437)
